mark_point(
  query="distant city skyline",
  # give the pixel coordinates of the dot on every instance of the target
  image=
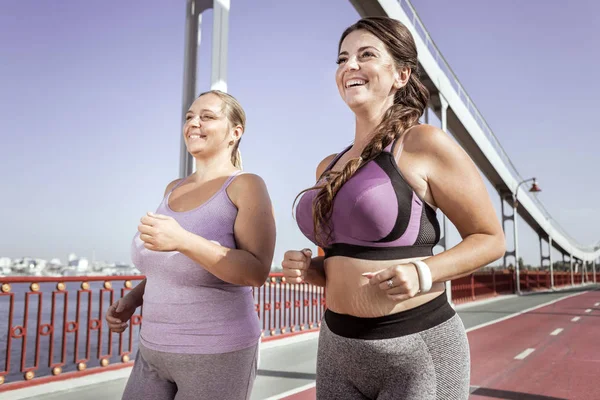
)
(90, 115)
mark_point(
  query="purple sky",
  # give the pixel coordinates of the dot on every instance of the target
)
(91, 96)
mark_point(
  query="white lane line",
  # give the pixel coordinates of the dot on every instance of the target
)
(575, 319)
(524, 354)
(521, 312)
(556, 331)
(292, 392)
(588, 310)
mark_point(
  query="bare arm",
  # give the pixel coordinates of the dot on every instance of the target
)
(458, 190)
(254, 231)
(136, 295)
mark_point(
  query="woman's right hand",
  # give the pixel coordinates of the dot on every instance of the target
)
(119, 313)
(295, 265)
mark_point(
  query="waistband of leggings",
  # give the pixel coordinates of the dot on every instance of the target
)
(403, 323)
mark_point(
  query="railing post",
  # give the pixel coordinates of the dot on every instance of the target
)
(571, 266)
(550, 259)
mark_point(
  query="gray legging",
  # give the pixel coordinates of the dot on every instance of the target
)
(427, 365)
(157, 375)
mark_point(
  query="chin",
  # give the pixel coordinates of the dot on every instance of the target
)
(356, 102)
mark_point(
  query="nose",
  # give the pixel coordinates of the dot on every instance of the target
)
(194, 121)
(352, 63)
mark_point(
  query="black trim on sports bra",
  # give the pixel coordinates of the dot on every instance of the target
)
(378, 253)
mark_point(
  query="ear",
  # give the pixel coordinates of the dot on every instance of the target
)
(237, 132)
(401, 77)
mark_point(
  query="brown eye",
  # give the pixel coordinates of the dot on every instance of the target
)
(368, 54)
(341, 60)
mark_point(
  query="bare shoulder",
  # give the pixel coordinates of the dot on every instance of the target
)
(436, 152)
(428, 139)
(324, 164)
(246, 186)
(171, 185)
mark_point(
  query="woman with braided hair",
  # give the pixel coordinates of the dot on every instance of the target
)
(389, 331)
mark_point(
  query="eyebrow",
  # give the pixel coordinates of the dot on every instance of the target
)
(201, 111)
(345, 53)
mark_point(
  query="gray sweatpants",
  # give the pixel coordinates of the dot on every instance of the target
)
(157, 375)
(430, 365)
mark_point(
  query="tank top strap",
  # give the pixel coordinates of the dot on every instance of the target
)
(175, 186)
(231, 178)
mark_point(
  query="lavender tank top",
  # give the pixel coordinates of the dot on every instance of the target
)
(186, 308)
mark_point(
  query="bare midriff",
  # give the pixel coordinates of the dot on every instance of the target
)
(348, 292)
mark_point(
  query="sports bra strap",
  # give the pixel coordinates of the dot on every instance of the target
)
(335, 159)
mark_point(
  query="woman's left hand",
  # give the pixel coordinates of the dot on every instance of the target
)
(399, 283)
(160, 232)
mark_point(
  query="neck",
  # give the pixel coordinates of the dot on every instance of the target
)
(367, 119)
(209, 168)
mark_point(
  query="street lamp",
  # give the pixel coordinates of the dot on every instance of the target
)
(534, 189)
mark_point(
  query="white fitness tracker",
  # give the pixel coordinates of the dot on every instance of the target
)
(424, 276)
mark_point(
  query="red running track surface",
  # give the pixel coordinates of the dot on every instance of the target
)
(562, 366)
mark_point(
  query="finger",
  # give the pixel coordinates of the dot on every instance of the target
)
(293, 273)
(150, 246)
(113, 326)
(293, 264)
(377, 277)
(399, 297)
(159, 216)
(146, 220)
(146, 238)
(294, 256)
(307, 253)
(397, 282)
(120, 306)
(396, 290)
(295, 280)
(147, 229)
(111, 319)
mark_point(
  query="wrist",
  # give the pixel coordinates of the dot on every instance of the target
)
(182, 243)
(424, 276)
(133, 299)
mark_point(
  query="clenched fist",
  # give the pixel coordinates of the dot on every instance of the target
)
(295, 265)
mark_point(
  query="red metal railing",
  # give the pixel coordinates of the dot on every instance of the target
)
(70, 337)
(485, 284)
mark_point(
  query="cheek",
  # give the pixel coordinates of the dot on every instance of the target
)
(338, 78)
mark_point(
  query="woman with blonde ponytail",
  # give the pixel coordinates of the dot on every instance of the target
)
(389, 331)
(210, 241)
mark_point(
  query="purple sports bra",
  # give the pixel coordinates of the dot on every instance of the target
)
(376, 215)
